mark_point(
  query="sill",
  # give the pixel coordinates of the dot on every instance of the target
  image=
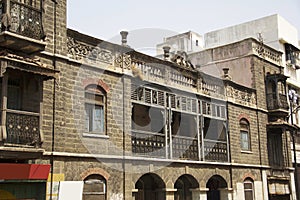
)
(94, 135)
(247, 152)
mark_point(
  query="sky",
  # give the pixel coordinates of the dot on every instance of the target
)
(149, 21)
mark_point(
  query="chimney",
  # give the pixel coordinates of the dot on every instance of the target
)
(226, 75)
(124, 37)
(166, 52)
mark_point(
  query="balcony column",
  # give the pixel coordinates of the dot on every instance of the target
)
(170, 193)
(3, 135)
(41, 110)
(226, 193)
(5, 22)
(199, 194)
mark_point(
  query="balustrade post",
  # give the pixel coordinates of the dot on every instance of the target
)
(4, 107)
(6, 4)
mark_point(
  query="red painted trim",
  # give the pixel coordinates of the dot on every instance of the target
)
(95, 81)
(245, 116)
(24, 172)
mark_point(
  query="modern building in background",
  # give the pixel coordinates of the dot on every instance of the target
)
(273, 31)
(114, 123)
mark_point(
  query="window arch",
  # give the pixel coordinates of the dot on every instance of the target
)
(94, 187)
(245, 135)
(248, 189)
(95, 105)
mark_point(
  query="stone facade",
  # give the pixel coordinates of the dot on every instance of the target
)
(158, 129)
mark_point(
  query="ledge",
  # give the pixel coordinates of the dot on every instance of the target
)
(246, 152)
(90, 135)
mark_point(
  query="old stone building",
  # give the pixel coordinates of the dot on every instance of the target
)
(114, 123)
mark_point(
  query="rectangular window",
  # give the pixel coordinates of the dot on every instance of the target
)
(94, 116)
(275, 149)
(14, 94)
(214, 129)
(245, 141)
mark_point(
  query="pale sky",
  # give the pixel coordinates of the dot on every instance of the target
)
(155, 19)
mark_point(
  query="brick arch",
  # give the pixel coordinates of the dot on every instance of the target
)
(248, 175)
(244, 116)
(156, 176)
(223, 174)
(91, 171)
(95, 81)
(193, 180)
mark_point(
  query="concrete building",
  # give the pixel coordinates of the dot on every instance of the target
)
(114, 123)
(185, 42)
(273, 31)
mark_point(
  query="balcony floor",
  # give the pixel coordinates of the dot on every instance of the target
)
(20, 153)
(17, 42)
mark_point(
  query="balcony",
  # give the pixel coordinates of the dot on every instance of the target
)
(275, 103)
(22, 128)
(148, 144)
(215, 150)
(185, 148)
(153, 145)
(21, 26)
(21, 136)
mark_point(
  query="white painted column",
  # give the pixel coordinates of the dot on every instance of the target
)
(265, 185)
(240, 191)
(134, 193)
(170, 193)
(199, 194)
(226, 193)
(258, 190)
(293, 186)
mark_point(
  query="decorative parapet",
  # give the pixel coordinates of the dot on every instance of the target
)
(156, 72)
(267, 53)
(211, 86)
(240, 95)
(179, 78)
(80, 51)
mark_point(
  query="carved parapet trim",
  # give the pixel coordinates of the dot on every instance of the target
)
(266, 53)
(80, 51)
(3, 67)
(241, 96)
(123, 61)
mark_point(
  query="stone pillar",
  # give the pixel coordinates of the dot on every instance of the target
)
(134, 194)
(199, 194)
(170, 193)
(293, 187)
(226, 193)
(265, 185)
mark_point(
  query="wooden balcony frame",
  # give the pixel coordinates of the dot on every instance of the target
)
(21, 27)
(28, 138)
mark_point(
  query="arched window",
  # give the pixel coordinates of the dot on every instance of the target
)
(248, 189)
(94, 188)
(245, 135)
(95, 101)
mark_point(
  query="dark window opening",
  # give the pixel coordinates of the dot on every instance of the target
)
(245, 135)
(275, 149)
(248, 189)
(183, 124)
(146, 118)
(214, 129)
(94, 110)
(94, 188)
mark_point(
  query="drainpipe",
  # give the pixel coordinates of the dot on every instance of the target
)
(53, 100)
(291, 97)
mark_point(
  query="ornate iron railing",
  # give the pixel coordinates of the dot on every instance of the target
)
(277, 103)
(215, 150)
(185, 148)
(148, 144)
(22, 128)
(23, 18)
